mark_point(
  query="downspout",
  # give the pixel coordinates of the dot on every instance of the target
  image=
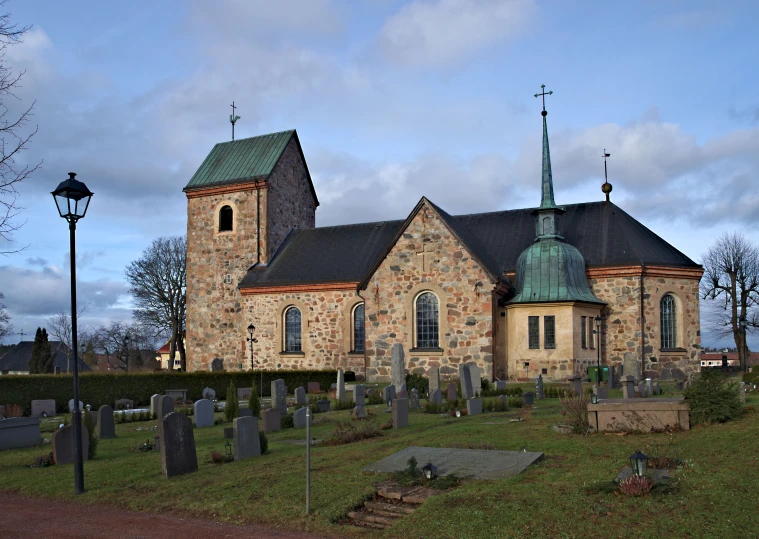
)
(642, 326)
(258, 225)
(366, 367)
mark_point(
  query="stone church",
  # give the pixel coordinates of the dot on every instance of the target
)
(518, 292)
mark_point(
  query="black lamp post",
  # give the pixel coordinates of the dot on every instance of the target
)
(597, 331)
(72, 199)
(251, 340)
(126, 350)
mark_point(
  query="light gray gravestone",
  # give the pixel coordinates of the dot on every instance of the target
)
(323, 405)
(414, 399)
(388, 394)
(539, 395)
(628, 387)
(465, 378)
(575, 384)
(154, 404)
(105, 426)
(71, 406)
(209, 393)
(18, 432)
(165, 406)
(246, 442)
(279, 396)
(398, 367)
(217, 365)
(299, 418)
(656, 388)
(400, 413)
(433, 376)
(631, 366)
(340, 386)
(203, 413)
(359, 395)
(474, 406)
(500, 384)
(475, 375)
(300, 396)
(271, 419)
(63, 444)
(46, 406)
(649, 387)
(436, 397)
(178, 455)
(451, 395)
(359, 412)
(742, 392)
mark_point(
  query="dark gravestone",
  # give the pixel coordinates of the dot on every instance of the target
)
(279, 396)
(178, 455)
(19, 432)
(245, 412)
(474, 406)
(323, 405)
(388, 393)
(217, 365)
(228, 433)
(451, 395)
(63, 445)
(165, 406)
(436, 397)
(105, 426)
(465, 378)
(271, 419)
(528, 397)
(400, 413)
(246, 441)
(124, 404)
(300, 396)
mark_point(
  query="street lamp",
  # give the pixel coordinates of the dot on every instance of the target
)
(72, 199)
(597, 331)
(251, 340)
(126, 349)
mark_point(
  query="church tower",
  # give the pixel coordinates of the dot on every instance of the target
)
(245, 198)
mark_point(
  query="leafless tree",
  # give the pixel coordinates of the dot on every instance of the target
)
(15, 135)
(731, 284)
(157, 282)
(59, 327)
(5, 320)
(126, 347)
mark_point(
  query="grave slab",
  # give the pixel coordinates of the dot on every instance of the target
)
(46, 406)
(474, 463)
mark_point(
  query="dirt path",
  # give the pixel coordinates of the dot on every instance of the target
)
(35, 517)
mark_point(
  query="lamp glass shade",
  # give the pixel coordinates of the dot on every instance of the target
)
(251, 329)
(72, 198)
(639, 463)
(594, 399)
(429, 471)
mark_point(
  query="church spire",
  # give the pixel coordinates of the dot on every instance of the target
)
(547, 201)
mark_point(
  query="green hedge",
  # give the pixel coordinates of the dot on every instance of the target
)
(98, 389)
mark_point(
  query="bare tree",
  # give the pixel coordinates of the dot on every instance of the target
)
(59, 326)
(157, 281)
(126, 347)
(731, 283)
(14, 135)
(5, 320)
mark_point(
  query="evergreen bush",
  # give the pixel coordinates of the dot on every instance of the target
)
(254, 403)
(264, 441)
(90, 425)
(418, 382)
(232, 407)
(712, 398)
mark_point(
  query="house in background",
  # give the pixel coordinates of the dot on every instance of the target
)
(714, 359)
(163, 354)
(16, 361)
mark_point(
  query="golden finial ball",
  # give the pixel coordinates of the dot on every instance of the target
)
(606, 188)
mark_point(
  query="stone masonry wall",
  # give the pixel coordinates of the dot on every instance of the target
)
(290, 202)
(465, 302)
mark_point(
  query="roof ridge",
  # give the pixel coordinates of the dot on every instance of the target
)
(257, 136)
(375, 223)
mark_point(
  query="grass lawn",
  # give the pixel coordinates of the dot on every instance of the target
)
(713, 496)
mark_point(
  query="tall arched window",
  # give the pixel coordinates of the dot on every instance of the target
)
(668, 321)
(292, 330)
(225, 218)
(427, 325)
(358, 328)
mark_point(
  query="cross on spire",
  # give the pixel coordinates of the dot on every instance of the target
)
(233, 118)
(543, 94)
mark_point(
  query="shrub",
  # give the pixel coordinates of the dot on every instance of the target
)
(418, 382)
(219, 458)
(13, 410)
(91, 435)
(485, 384)
(253, 401)
(575, 408)
(264, 441)
(636, 486)
(344, 405)
(286, 422)
(43, 461)
(375, 398)
(753, 376)
(432, 408)
(712, 398)
(515, 402)
(232, 408)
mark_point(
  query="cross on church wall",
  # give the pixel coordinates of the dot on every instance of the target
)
(423, 254)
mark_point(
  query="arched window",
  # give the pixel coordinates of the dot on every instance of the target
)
(668, 321)
(225, 218)
(292, 330)
(358, 328)
(427, 325)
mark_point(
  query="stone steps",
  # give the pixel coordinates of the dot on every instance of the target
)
(388, 506)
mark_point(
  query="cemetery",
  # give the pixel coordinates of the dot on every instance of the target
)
(488, 457)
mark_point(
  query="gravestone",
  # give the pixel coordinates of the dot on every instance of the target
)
(340, 386)
(314, 387)
(631, 366)
(679, 384)
(209, 393)
(475, 375)
(217, 365)
(359, 395)
(451, 394)
(154, 404)
(359, 412)
(178, 455)
(414, 399)
(433, 376)
(388, 394)
(229, 433)
(657, 388)
(156, 443)
(575, 384)
(474, 406)
(402, 394)
(46, 406)
(539, 388)
(63, 445)
(642, 389)
(628, 387)
(271, 419)
(323, 405)
(601, 392)
(246, 442)
(400, 413)
(16, 432)
(299, 418)
(504, 401)
(436, 397)
(649, 387)
(71, 406)
(528, 398)
(742, 392)
(300, 396)
(243, 393)
(500, 384)
(466, 382)
(279, 396)
(165, 406)
(398, 367)
(105, 426)
(124, 404)
(203, 413)
(611, 384)
(245, 412)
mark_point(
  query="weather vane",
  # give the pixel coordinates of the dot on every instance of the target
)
(233, 119)
(606, 187)
(543, 94)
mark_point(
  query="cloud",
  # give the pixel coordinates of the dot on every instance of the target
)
(36, 261)
(440, 32)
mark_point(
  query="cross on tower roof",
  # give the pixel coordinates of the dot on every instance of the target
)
(543, 93)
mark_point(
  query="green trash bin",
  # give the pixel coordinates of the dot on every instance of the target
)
(593, 373)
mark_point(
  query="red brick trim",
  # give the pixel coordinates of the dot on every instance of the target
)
(283, 289)
(646, 271)
(224, 189)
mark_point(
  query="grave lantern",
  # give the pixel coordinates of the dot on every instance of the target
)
(228, 447)
(594, 399)
(429, 471)
(639, 464)
(458, 413)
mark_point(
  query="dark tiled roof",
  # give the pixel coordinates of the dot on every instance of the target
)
(603, 233)
(18, 357)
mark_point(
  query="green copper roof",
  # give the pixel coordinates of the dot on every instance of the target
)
(547, 201)
(241, 160)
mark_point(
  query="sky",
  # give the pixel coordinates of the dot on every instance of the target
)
(392, 100)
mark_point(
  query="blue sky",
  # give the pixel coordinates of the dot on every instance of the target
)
(392, 100)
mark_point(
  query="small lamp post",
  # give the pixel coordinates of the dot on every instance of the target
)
(429, 471)
(126, 351)
(597, 331)
(72, 199)
(251, 340)
(639, 463)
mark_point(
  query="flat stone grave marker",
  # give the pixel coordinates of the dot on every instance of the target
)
(314, 387)
(177, 394)
(154, 404)
(246, 442)
(43, 406)
(203, 413)
(436, 397)
(271, 419)
(359, 395)
(63, 445)
(465, 378)
(398, 367)
(400, 413)
(451, 395)
(474, 406)
(474, 463)
(299, 418)
(434, 379)
(279, 396)
(18, 432)
(178, 455)
(209, 393)
(300, 396)
(106, 428)
(165, 406)
(71, 406)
